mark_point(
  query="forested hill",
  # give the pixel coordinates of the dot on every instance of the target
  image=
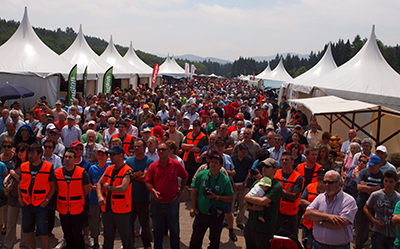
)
(59, 40)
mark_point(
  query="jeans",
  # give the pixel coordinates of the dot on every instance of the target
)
(165, 213)
(32, 216)
(141, 210)
(200, 225)
(309, 235)
(317, 246)
(380, 241)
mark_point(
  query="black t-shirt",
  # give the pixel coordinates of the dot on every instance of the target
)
(101, 127)
(68, 176)
(241, 167)
(302, 140)
(308, 176)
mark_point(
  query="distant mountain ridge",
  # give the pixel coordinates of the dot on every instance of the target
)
(192, 57)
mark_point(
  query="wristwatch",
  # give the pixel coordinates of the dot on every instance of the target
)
(47, 200)
(109, 187)
(320, 222)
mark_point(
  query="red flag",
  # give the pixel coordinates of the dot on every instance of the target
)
(154, 76)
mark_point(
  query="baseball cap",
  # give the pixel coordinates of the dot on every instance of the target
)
(265, 106)
(55, 131)
(265, 181)
(103, 114)
(75, 143)
(58, 102)
(116, 149)
(158, 130)
(206, 105)
(128, 107)
(50, 127)
(270, 127)
(321, 171)
(71, 117)
(43, 97)
(212, 153)
(92, 122)
(382, 148)
(102, 149)
(219, 141)
(62, 100)
(49, 116)
(146, 130)
(374, 160)
(146, 106)
(196, 122)
(93, 110)
(269, 162)
(238, 116)
(186, 117)
(297, 126)
(16, 103)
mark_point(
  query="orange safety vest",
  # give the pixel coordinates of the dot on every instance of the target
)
(302, 171)
(120, 202)
(288, 207)
(71, 197)
(158, 136)
(312, 193)
(126, 143)
(41, 185)
(191, 140)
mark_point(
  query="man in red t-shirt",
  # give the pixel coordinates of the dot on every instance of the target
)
(206, 112)
(229, 111)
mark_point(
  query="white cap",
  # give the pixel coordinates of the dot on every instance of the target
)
(50, 126)
(382, 148)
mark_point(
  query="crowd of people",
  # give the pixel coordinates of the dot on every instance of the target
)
(121, 161)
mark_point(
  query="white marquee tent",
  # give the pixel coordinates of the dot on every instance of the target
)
(132, 58)
(264, 74)
(171, 67)
(27, 61)
(367, 76)
(277, 76)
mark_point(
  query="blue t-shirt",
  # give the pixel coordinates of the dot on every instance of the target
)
(139, 190)
(3, 169)
(95, 173)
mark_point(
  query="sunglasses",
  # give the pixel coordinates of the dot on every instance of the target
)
(362, 161)
(7, 146)
(162, 149)
(111, 123)
(114, 154)
(21, 151)
(48, 147)
(246, 133)
(329, 182)
(171, 125)
(78, 148)
(277, 139)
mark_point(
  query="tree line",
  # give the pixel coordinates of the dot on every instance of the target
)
(342, 51)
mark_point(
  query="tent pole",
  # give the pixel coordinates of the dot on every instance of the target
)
(354, 119)
(379, 126)
(330, 124)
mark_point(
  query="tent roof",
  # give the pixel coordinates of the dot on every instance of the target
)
(279, 73)
(324, 66)
(366, 73)
(25, 52)
(81, 54)
(332, 104)
(132, 58)
(264, 74)
(171, 67)
(122, 69)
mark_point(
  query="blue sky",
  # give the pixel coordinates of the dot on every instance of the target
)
(222, 29)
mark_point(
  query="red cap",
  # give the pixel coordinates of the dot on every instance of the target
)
(238, 116)
(75, 143)
(158, 130)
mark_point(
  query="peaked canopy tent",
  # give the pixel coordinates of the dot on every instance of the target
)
(367, 76)
(122, 69)
(338, 115)
(300, 83)
(277, 76)
(170, 66)
(81, 54)
(132, 58)
(264, 74)
(28, 62)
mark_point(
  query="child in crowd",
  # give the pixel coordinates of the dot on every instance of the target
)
(259, 190)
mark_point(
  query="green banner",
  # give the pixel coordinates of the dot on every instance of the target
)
(107, 81)
(72, 84)
(84, 82)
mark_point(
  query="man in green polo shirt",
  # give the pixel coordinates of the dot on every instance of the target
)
(211, 189)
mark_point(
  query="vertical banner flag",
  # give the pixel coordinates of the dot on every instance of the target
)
(107, 80)
(84, 82)
(254, 75)
(154, 76)
(72, 84)
(187, 70)
(193, 70)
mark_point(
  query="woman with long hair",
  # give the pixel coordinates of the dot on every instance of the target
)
(354, 148)
(8, 156)
(13, 205)
(351, 179)
(323, 158)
